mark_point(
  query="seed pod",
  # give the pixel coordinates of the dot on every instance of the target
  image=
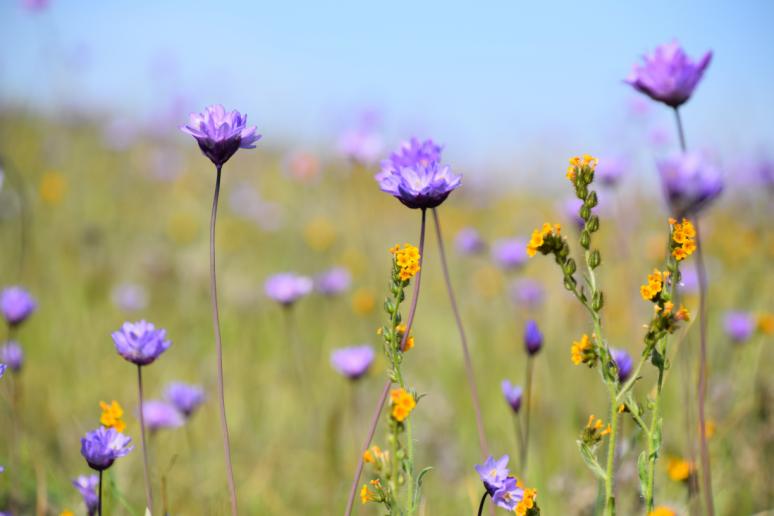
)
(585, 211)
(585, 239)
(591, 199)
(594, 259)
(593, 224)
(598, 301)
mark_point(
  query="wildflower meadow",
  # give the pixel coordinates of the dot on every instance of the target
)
(209, 309)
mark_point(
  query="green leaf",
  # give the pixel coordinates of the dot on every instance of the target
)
(591, 460)
(419, 484)
(642, 471)
(655, 438)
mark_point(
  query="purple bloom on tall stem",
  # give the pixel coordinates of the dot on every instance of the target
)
(739, 326)
(186, 398)
(87, 485)
(527, 292)
(352, 362)
(333, 281)
(668, 75)
(13, 355)
(362, 144)
(610, 170)
(510, 253)
(16, 305)
(130, 297)
(286, 288)
(101, 447)
(690, 182)
(623, 362)
(493, 473)
(469, 241)
(220, 134)
(508, 495)
(159, 414)
(140, 343)
(512, 394)
(415, 176)
(533, 339)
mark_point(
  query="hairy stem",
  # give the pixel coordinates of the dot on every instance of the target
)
(652, 453)
(146, 469)
(219, 350)
(527, 403)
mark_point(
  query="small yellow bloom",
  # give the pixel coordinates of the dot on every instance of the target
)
(528, 500)
(363, 302)
(111, 416)
(402, 403)
(682, 314)
(766, 323)
(320, 234)
(679, 469)
(53, 186)
(662, 511)
(578, 349)
(366, 495)
(689, 246)
(709, 428)
(679, 254)
(67, 512)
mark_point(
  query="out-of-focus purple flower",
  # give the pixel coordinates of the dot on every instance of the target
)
(623, 361)
(510, 253)
(353, 362)
(186, 398)
(690, 182)
(12, 355)
(469, 241)
(689, 279)
(533, 339)
(101, 447)
(221, 134)
(16, 304)
(527, 292)
(159, 414)
(2, 369)
(513, 394)
(508, 495)
(739, 326)
(571, 209)
(286, 288)
(493, 473)
(668, 75)
(333, 281)
(35, 5)
(130, 297)
(610, 170)
(87, 486)
(247, 202)
(363, 143)
(415, 176)
(120, 134)
(140, 342)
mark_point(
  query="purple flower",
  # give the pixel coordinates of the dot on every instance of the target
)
(739, 326)
(16, 304)
(101, 447)
(286, 288)
(668, 75)
(352, 362)
(186, 398)
(414, 175)
(533, 339)
(493, 473)
(140, 343)
(469, 241)
(527, 292)
(87, 486)
(689, 279)
(2, 369)
(333, 281)
(159, 414)
(221, 134)
(690, 182)
(130, 297)
(513, 394)
(508, 495)
(609, 171)
(362, 144)
(571, 208)
(623, 362)
(12, 355)
(510, 253)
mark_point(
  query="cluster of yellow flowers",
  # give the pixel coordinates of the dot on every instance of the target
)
(111, 416)
(528, 500)
(683, 234)
(401, 331)
(366, 495)
(575, 162)
(374, 454)
(539, 235)
(654, 285)
(579, 349)
(595, 425)
(679, 470)
(407, 259)
(402, 404)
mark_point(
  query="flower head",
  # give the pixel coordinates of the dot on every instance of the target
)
(662, 510)
(402, 403)
(87, 486)
(140, 342)
(527, 292)
(2, 369)
(668, 75)
(493, 473)
(469, 241)
(159, 414)
(582, 351)
(352, 362)
(594, 431)
(415, 176)
(111, 416)
(690, 182)
(286, 288)
(16, 304)
(533, 339)
(101, 447)
(333, 281)
(610, 171)
(679, 470)
(509, 253)
(184, 397)
(407, 260)
(513, 394)
(739, 326)
(220, 134)
(546, 240)
(623, 362)
(508, 495)
(13, 355)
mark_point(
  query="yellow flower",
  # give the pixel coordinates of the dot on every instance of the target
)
(320, 234)
(688, 228)
(766, 323)
(679, 254)
(111, 416)
(689, 246)
(578, 349)
(528, 500)
(662, 511)
(67, 512)
(366, 495)
(682, 314)
(402, 404)
(709, 428)
(363, 301)
(53, 186)
(679, 469)
(408, 260)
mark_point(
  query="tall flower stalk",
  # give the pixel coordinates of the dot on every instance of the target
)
(219, 135)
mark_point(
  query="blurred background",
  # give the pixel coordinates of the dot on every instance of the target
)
(104, 206)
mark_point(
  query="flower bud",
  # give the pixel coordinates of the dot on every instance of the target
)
(591, 199)
(585, 239)
(533, 339)
(595, 259)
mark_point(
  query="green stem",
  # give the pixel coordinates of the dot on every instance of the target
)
(410, 468)
(652, 452)
(610, 470)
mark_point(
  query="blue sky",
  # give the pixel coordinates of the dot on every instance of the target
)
(492, 80)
